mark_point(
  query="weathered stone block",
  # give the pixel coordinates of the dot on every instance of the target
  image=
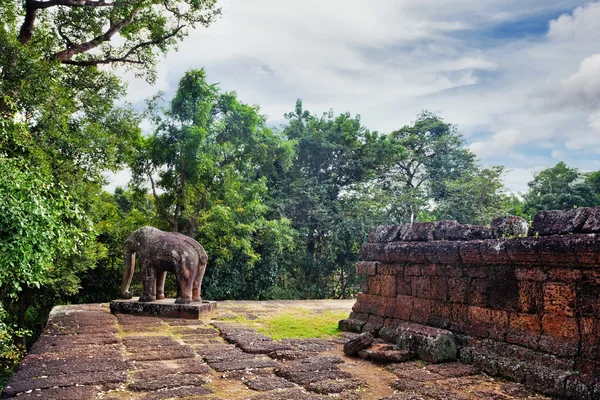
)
(592, 222)
(589, 299)
(382, 353)
(476, 271)
(421, 310)
(467, 232)
(477, 292)
(439, 288)
(531, 274)
(523, 251)
(390, 269)
(352, 347)
(460, 318)
(404, 307)
(470, 252)
(531, 297)
(383, 234)
(404, 285)
(587, 249)
(525, 330)
(366, 268)
(374, 285)
(565, 275)
(430, 269)
(590, 338)
(421, 287)
(558, 250)
(419, 232)
(359, 316)
(373, 324)
(372, 252)
(560, 298)
(441, 314)
(510, 226)
(559, 222)
(560, 335)
(163, 308)
(390, 306)
(388, 285)
(494, 251)
(351, 325)
(457, 290)
(403, 252)
(430, 344)
(413, 270)
(442, 252)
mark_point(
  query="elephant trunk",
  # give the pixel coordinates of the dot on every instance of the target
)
(127, 271)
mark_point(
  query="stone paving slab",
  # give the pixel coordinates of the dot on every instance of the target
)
(88, 353)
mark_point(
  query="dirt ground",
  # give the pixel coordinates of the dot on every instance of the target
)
(88, 353)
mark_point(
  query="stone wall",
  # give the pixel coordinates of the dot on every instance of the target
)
(522, 303)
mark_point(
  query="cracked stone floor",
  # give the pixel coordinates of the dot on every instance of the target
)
(88, 353)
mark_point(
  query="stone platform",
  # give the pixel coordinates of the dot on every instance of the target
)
(162, 308)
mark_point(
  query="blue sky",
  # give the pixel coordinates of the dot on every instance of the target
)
(520, 79)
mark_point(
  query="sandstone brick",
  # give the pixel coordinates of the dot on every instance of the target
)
(531, 274)
(372, 252)
(421, 310)
(388, 285)
(404, 307)
(421, 287)
(460, 317)
(470, 252)
(442, 252)
(404, 285)
(509, 226)
(560, 299)
(390, 269)
(480, 320)
(523, 251)
(374, 285)
(413, 270)
(494, 251)
(590, 338)
(369, 304)
(560, 335)
(457, 290)
(558, 250)
(589, 299)
(441, 314)
(439, 288)
(592, 276)
(373, 324)
(565, 274)
(359, 316)
(366, 268)
(559, 222)
(477, 292)
(385, 233)
(592, 222)
(390, 306)
(429, 269)
(525, 330)
(588, 249)
(531, 297)
(453, 270)
(477, 272)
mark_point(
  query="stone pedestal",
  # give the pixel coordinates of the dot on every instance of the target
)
(162, 308)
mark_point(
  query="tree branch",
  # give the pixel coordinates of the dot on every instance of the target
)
(126, 57)
(97, 41)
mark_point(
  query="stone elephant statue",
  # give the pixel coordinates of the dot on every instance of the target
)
(161, 252)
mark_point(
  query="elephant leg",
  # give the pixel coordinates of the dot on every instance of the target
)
(186, 282)
(149, 282)
(160, 285)
(197, 289)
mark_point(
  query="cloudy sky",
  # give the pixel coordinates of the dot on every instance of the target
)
(521, 79)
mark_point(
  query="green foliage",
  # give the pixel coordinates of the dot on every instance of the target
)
(560, 187)
(10, 353)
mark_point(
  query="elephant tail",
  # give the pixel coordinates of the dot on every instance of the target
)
(129, 265)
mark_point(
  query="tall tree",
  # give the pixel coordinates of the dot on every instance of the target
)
(559, 187)
(208, 163)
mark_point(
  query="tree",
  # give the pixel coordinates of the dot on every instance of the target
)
(334, 154)
(435, 157)
(208, 164)
(559, 187)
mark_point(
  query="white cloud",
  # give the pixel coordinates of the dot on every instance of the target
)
(537, 95)
(581, 25)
